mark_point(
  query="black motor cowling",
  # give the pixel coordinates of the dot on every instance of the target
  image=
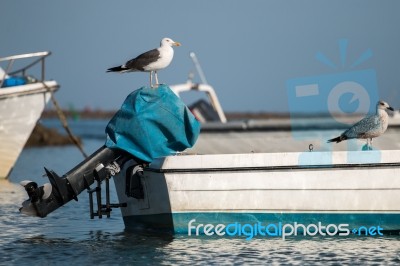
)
(43, 200)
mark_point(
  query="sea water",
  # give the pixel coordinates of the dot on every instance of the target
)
(68, 235)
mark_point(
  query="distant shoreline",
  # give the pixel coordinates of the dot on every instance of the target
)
(108, 114)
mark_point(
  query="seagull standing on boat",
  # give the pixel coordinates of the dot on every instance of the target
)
(150, 61)
(369, 127)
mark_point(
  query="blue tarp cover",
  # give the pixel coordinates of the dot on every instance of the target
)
(152, 123)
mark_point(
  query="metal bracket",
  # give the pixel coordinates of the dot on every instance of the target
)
(102, 172)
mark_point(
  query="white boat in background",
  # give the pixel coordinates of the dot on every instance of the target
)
(394, 120)
(22, 101)
(208, 112)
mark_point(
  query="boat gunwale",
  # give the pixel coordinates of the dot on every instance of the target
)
(35, 88)
(275, 168)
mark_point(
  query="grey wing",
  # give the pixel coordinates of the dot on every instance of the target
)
(143, 60)
(359, 129)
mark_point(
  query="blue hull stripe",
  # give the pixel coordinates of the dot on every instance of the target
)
(178, 222)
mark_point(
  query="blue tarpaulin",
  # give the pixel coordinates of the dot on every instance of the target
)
(13, 81)
(152, 123)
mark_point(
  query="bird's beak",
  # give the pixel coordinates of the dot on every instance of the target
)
(390, 108)
(177, 43)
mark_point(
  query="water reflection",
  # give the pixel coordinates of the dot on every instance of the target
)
(125, 247)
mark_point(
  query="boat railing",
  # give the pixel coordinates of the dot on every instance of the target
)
(41, 56)
(203, 86)
(210, 92)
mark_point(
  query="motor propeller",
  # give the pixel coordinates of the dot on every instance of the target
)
(35, 194)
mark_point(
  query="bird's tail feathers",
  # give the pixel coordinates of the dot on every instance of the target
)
(337, 139)
(116, 69)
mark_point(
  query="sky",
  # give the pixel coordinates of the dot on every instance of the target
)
(253, 52)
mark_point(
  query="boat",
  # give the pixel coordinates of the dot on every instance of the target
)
(224, 181)
(233, 189)
(227, 178)
(357, 188)
(22, 101)
(232, 193)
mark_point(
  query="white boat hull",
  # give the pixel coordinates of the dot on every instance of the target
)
(273, 188)
(20, 109)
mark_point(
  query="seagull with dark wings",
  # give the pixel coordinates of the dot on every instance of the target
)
(150, 61)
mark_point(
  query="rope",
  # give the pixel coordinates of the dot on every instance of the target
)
(63, 121)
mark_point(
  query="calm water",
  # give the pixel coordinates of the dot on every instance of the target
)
(69, 236)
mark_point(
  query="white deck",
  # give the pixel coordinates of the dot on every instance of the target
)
(180, 162)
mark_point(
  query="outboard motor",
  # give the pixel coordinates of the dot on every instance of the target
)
(102, 164)
(151, 123)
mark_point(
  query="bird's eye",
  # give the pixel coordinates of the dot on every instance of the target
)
(382, 104)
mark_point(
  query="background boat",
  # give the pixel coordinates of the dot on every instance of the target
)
(22, 101)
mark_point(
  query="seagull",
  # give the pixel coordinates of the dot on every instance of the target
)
(150, 61)
(369, 127)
